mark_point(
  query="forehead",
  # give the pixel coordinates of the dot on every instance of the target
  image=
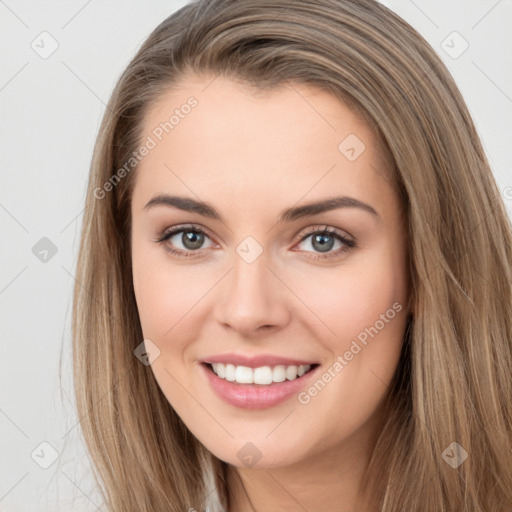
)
(211, 135)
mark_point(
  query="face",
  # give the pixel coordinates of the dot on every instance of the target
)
(300, 310)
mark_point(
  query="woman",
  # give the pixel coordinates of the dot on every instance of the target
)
(295, 284)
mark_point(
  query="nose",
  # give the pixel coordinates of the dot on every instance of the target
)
(253, 299)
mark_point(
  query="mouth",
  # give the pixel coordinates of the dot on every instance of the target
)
(261, 376)
(257, 387)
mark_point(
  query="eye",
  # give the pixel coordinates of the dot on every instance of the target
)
(191, 239)
(323, 240)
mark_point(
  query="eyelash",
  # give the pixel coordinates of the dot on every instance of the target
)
(326, 230)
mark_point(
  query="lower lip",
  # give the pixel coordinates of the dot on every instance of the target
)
(253, 396)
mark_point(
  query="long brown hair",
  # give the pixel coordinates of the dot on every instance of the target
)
(454, 381)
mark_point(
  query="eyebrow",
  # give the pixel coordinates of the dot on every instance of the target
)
(290, 214)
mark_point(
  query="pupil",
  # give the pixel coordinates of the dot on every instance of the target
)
(192, 240)
(324, 247)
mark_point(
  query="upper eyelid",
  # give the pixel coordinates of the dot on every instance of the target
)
(330, 229)
(174, 230)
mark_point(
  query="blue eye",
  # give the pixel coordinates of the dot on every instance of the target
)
(193, 237)
(324, 239)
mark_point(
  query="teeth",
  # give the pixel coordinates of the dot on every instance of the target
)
(220, 370)
(279, 373)
(230, 372)
(291, 372)
(263, 375)
(243, 375)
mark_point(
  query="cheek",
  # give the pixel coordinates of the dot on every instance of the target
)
(352, 297)
(366, 310)
(159, 291)
(172, 301)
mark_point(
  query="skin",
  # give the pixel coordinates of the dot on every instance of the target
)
(250, 156)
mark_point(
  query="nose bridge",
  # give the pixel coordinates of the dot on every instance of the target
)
(252, 296)
(250, 277)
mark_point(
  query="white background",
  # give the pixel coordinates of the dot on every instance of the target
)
(50, 113)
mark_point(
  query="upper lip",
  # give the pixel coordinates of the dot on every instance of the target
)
(255, 361)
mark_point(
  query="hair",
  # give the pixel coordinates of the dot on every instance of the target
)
(454, 380)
